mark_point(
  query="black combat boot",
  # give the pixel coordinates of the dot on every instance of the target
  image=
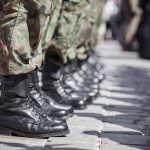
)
(52, 85)
(89, 69)
(46, 103)
(20, 114)
(77, 81)
(72, 85)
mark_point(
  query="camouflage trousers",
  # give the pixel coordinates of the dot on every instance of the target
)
(63, 47)
(88, 27)
(76, 29)
(26, 30)
(96, 19)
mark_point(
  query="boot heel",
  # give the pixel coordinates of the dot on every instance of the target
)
(5, 131)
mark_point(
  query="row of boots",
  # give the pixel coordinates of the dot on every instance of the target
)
(30, 110)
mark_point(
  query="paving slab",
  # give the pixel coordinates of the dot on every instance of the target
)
(85, 130)
(73, 142)
(123, 128)
(21, 143)
(116, 146)
(126, 139)
(118, 120)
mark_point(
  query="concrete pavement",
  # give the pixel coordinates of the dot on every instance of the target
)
(118, 120)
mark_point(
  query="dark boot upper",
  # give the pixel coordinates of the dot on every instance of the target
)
(19, 112)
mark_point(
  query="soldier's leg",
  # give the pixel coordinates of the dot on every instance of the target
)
(96, 14)
(80, 39)
(92, 65)
(89, 26)
(20, 54)
(94, 59)
(56, 57)
(134, 21)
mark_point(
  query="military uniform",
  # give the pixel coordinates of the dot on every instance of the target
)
(27, 27)
(62, 46)
(96, 14)
(88, 26)
(76, 30)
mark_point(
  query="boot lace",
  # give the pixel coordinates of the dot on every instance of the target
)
(29, 104)
(61, 89)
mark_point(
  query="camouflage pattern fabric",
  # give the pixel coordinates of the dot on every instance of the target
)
(95, 15)
(84, 29)
(72, 32)
(88, 26)
(78, 39)
(30, 27)
(27, 27)
(62, 46)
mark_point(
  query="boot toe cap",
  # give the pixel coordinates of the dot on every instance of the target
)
(61, 113)
(80, 104)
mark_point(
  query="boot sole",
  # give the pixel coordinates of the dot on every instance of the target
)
(89, 102)
(66, 117)
(12, 132)
(80, 107)
(71, 115)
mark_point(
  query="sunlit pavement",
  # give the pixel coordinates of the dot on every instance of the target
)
(125, 96)
(118, 120)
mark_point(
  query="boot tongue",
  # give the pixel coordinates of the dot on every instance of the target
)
(15, 85)
(56, 75)
(20, 89)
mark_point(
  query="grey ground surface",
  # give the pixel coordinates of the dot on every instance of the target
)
(118, 120)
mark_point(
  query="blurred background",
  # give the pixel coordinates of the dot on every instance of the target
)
(128, 22)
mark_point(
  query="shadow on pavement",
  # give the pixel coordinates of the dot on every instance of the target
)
(91, 132)
(65, 148)
(131, 112)
(129, 116)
